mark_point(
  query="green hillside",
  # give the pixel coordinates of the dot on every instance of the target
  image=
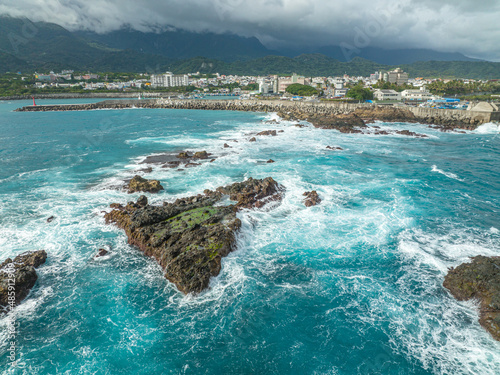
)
(42, 46)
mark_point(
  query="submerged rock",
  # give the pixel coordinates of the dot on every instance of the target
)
(312, 198)
(411, 134)
(101, 253)
(268, 132)
(20, 275)
(270, 161)
(51, 219)
(479, 280)
(190, 236)
(140, 184)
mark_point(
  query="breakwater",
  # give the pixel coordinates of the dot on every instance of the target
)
(444, 118)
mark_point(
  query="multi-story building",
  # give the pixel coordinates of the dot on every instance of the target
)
(396, 76)
(169, 80)
(287, 81)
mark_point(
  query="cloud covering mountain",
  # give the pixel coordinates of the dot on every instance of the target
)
(465, 26)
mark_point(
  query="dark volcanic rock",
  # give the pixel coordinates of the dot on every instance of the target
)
(334, 148)
(385, 114)
(253, 193)
(268, 132)
(312, 198)
(50, 219)
(20, 275)
(190, 236)
(183, 155)
(142, 201)
(145, 170)
(201, 155)
(101, 253)
(270, 161)
(411, 134)
(172, 164)
(343, 123)
(157, 159)
(226, 145)
(479, 280)
(138, 184)
(252, 139)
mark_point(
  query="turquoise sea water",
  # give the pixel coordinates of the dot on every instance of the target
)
(352, 286)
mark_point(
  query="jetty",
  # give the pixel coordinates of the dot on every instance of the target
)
(446, 118)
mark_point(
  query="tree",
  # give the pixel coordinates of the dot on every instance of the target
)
(358, 92)
(302, 90)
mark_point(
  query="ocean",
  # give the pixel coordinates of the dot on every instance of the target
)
(351, 286)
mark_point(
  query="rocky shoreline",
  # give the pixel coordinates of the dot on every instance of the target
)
(190, 236)
(324, 114)
(479, 280)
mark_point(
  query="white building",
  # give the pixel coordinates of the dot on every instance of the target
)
(421, 94)
(263, 87)
(340, 92)
(387, 95)
(169, 80)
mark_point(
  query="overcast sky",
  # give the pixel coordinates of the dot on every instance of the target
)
(468, 26)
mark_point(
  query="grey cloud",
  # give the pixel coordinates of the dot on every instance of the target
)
(465, 26)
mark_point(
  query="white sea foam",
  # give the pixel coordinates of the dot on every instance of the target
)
(447, 174)
(488, 128)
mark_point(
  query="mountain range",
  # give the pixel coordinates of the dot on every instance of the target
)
(30, 46)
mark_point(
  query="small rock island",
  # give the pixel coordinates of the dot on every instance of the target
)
(190, 236)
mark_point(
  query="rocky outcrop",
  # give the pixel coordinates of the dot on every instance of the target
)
(252, 193)
(479, 280)
(17, 277)
(343, 122)
(201, 155)
(385, 114)
(140, 184)
(190, 236)
(268, 132)
(179, 159)
(311, 198)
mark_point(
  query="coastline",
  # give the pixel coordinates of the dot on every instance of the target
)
(328, 115)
